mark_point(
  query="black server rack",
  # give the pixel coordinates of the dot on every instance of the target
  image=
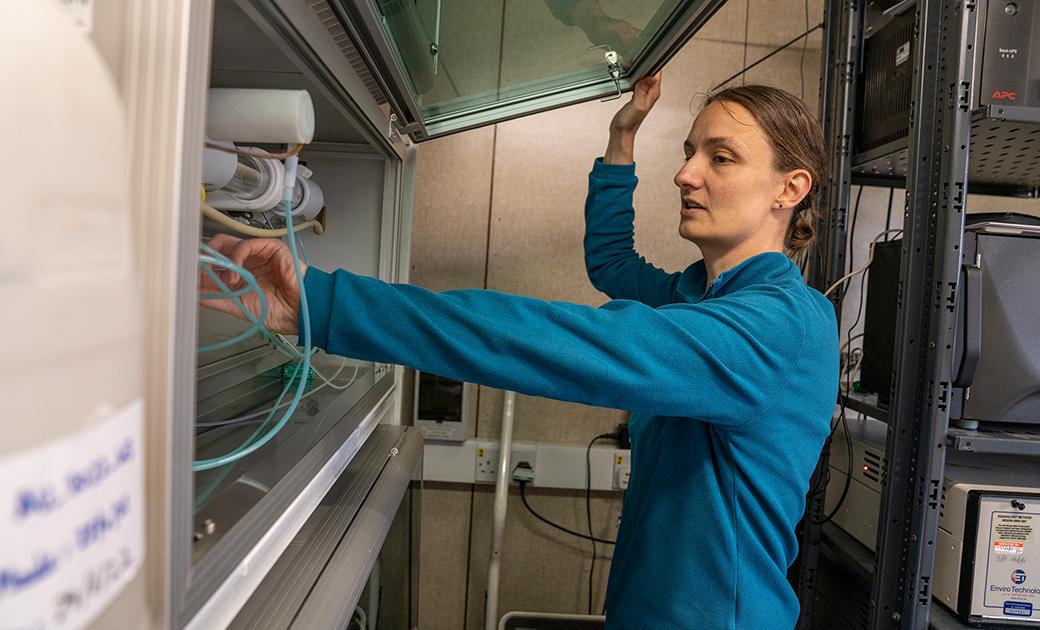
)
(961, 129)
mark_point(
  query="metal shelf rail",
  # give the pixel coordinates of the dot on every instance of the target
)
(842, 21)
(1004, 138)
(1009, 439)
(936, 185)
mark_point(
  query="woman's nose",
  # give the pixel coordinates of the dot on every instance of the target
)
(689, 176)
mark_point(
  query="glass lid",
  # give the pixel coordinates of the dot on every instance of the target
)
(459, 64)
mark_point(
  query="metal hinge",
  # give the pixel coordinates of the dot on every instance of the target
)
(614, 68)
(395, 130)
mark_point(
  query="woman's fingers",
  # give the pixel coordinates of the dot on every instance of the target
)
(224, 243)
(271, 264)
(224, 306)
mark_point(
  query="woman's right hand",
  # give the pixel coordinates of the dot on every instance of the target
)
(621, 148)
(645, 93)
(271, 263)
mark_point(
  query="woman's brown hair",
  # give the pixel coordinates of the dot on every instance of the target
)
(797, 142)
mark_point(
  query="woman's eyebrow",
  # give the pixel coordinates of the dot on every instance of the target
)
(723, 141)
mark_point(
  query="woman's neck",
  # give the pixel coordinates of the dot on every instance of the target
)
(717, 262)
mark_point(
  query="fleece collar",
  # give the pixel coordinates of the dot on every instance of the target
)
(767, 267)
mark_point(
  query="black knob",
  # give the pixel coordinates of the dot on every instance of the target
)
(1018, 505)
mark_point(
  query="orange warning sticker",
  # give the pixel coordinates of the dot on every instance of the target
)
(1008, 547)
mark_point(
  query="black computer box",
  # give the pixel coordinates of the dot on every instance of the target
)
(996, 362)
(1007, 66)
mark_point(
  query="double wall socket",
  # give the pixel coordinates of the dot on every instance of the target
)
(487, 460)
(622, 469)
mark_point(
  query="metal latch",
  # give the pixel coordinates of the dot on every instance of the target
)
(614, 67)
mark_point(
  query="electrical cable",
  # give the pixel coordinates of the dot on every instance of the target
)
(852, 229)
(292, 151)
(588, 505)
(782, 47)
(825, 478)
(801, 60)
(327, 382)
(849, 276)
(844, 421)
(747, 22)
(293, 353)
(256, 440)
(523, 497)
(842, 416)
(213, 214)
(888, 217)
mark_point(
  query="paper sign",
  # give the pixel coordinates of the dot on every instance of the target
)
(71, 523)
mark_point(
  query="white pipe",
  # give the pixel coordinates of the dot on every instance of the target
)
(505, 445)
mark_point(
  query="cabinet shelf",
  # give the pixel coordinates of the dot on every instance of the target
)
(1004, 153)
(1009, 439)
(864, 403)
(851, 556)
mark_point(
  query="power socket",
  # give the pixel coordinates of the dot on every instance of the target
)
(486, 465)
(622, 470)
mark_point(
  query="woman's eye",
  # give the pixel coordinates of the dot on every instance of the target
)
(721, 159)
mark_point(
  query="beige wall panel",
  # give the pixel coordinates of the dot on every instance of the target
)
(450, 218)
(543, 569)
(443, 549)
(781, 71)
(544, 420)
(986, 203)
(727, 25)
(772, 23)
(449, 224)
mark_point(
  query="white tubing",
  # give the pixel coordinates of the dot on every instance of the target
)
(505, 445)
(249, 115)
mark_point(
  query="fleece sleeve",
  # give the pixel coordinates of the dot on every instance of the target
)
(611, 261)
(718, 361)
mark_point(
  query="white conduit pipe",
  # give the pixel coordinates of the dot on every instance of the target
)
(501, 504)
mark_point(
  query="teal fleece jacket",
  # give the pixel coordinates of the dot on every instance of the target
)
(731, 390)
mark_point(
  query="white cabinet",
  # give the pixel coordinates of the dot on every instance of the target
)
(240, 539)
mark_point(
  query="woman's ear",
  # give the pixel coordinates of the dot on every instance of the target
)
(796, 186)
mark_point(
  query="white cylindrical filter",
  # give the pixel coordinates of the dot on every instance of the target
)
(218, 167)
(307, 196)
(257, 185)
(275, 116)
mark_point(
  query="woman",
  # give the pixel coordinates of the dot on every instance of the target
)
(729, 367)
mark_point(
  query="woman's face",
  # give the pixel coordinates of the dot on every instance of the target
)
(728, 185)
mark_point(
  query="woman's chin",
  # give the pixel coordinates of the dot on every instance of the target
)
(689, 230)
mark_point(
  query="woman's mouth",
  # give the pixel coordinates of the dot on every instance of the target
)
(691, 208)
